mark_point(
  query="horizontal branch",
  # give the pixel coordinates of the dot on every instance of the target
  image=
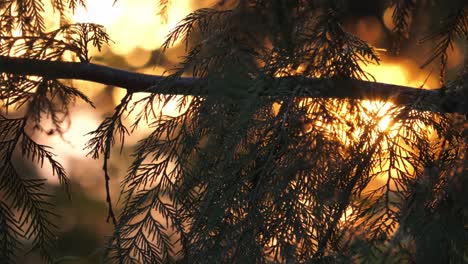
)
(428, 100)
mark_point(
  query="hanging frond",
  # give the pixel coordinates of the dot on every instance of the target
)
(103, 138)
(228, 165)
(37, 153)
(163, 6)
(35, 216)
(198, 20)
(142, 233)
(402, 16)
(453, 26)
(242, 175)
(10, 232)
(31, 17)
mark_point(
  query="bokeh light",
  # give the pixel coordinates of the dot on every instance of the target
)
(138, 57)
(370, 29)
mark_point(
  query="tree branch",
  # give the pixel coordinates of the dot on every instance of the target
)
(427, 100)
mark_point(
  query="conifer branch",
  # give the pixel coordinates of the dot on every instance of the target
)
(427, 100)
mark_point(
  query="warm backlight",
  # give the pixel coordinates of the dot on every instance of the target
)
(102, 12)
(402, 73)
(133, 23)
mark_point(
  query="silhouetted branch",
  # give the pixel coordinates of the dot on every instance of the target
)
(427, 100)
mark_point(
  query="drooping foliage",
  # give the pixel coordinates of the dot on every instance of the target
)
(245, 176)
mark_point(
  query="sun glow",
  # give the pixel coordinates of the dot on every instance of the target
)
(379, 114)
(133, 24)
(68, 147)
(136, 30)
(400, 74)
(102, 12)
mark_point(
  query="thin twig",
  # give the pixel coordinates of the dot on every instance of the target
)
(110, 210)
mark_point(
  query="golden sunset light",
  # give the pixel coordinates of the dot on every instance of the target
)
(232, 131)
(103, 12)
(133, 24)
(135, 29)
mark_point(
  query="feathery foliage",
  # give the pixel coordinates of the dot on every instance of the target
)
(240, 177)
(453, 26)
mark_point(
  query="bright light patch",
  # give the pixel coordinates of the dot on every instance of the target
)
(369, 29)
(346, 214)
(70, 145)
(135, 23)
(138, 57)
(402, 72)
(102, 12)
(83, 122)
(388, 73)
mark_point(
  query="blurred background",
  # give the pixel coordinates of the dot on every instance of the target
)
(137, 32)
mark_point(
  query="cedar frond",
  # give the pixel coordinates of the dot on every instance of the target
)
(74, 38)
(30, 15)
(37, 153)
(163, 6)
(198, 20)
(402, 15)
(454, 25)
(103, 137)
(143, 237)
(251, 170)
(10, 233)
(35, 215)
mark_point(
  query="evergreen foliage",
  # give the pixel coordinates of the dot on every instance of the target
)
(244, 177)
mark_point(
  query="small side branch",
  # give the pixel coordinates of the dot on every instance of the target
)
(426, 100)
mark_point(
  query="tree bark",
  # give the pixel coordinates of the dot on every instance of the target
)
(427, 100)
